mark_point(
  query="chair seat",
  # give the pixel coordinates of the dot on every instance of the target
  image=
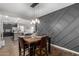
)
(37, 52)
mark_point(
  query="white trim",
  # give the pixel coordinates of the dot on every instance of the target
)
(62, 48)
(2, 43)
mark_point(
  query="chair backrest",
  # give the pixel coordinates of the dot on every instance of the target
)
(43, 42)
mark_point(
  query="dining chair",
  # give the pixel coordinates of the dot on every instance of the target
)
(42, 47)
(22, 46)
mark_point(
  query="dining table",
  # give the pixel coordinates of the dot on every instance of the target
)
(31, 42)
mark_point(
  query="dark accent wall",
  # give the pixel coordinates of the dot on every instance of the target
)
(62, 26)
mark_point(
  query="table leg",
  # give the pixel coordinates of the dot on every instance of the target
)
(19, 50)
(34, 47)
(49, 46)
(32, 50)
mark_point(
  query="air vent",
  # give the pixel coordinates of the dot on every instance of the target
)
(34, 5)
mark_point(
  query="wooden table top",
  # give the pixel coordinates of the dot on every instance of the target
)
(31, 39)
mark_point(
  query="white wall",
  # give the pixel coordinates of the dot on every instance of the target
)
(2, 42)
(20, 22)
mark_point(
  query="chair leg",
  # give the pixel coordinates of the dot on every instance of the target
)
(29, 50)
(46, 51)
(34, 50)
(19, 51)
(24, 51)
(40, 52)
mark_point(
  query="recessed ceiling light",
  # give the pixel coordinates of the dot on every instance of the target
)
(18, 18)
(6, 16)
(0, 15)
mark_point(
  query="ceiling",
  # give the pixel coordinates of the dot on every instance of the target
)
(23, 10)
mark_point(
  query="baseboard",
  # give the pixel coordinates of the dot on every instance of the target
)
(64, 49)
